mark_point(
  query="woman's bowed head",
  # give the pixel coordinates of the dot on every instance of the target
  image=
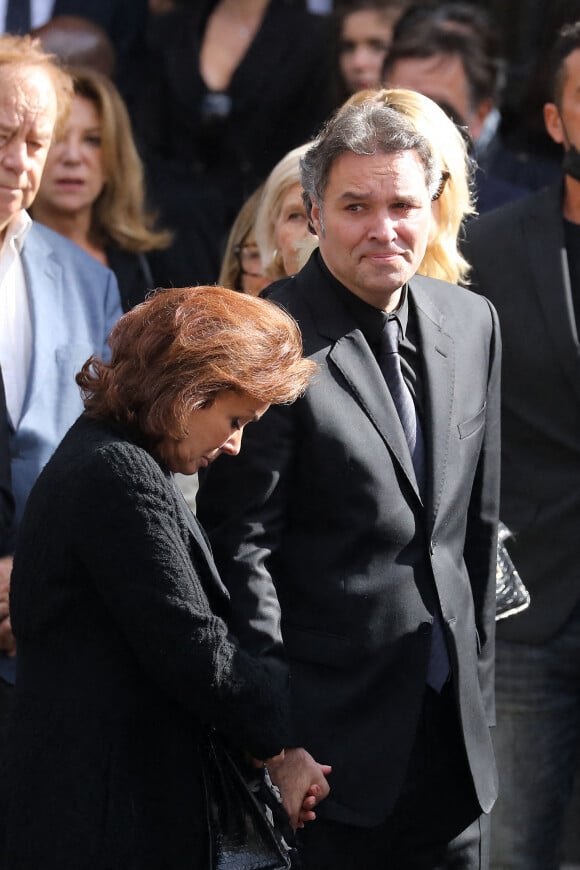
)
(190, 367)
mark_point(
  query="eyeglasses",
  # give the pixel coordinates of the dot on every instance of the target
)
(248, 257)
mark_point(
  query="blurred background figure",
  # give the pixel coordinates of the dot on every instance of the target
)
(452, 53)
(241, 267)
(232, 85)
(526, 261)
(124, 21)
(530, 81)
(281, 221)
(78, 42)
(363, 29)
(92, 187)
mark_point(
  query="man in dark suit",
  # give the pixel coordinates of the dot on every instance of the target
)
(526, 259)
(358, 533)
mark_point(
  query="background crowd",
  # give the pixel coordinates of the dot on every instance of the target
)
(179, 165)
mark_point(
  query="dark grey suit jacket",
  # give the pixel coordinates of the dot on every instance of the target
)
(319, 522)
(520, 263)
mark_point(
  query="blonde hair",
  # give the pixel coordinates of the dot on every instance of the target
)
(24, 51)
(119, 213)
(283, 176)
(230, 272)
(455, 202)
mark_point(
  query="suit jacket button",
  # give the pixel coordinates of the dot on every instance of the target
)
(424, 629)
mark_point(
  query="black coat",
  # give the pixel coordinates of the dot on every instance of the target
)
(519, 260)
(200, 169)
(123, 658)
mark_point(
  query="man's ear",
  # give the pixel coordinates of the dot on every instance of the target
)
(314, 215)
(553, 123)
(477, 118)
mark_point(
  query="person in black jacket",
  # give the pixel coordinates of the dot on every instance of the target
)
(232, 86)
(117, 606)
(526, 260)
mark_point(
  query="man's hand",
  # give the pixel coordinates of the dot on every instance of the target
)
(302, 783)
(7, 642)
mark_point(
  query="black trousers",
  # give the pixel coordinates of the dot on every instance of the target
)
(437, 821)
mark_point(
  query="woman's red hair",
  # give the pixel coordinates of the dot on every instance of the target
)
(181, 347)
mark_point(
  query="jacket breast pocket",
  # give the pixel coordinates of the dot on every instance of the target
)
(471, 425)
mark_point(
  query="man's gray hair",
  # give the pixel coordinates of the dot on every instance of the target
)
(365, 129)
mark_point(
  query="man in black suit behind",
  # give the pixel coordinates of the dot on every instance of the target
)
(526, 259)
(361, 555)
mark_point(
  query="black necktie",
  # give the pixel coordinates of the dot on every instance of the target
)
(390, 364)
(17, 16)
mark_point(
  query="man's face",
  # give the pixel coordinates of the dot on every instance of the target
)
(563, 124)
(442, 78)
(27, 117)
(373, 223)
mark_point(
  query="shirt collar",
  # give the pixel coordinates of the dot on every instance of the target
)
(369, 319)
(17, 230)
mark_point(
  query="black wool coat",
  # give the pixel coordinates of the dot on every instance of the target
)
(124, 658)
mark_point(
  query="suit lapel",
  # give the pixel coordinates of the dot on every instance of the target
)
(357, 364)
(352, 356)
(43, 279)
(544, 238)
(437, 352)
(200, 540)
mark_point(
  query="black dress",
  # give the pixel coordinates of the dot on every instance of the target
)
(206, 152)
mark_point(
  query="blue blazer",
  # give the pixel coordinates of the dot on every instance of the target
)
(74, 302)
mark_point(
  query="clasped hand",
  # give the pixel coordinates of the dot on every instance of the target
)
(7, 642)
(302, 783)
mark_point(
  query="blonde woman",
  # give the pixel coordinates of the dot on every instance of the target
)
(281, 228)
(92, 187)
(241, 267)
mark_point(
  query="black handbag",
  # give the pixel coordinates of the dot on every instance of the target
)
(511, 596)
(247, 825)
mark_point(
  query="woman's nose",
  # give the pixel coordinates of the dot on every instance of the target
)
(233, 444)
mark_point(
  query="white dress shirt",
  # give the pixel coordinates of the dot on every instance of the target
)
(15, 320)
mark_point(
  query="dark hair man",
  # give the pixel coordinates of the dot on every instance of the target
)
(526, 259)
(357, 535)
(447, 54)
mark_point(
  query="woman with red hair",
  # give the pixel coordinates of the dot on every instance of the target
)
(125, 658)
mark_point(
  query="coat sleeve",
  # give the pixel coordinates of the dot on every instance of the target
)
(480, 551)
(242, 504)
(132, 542)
